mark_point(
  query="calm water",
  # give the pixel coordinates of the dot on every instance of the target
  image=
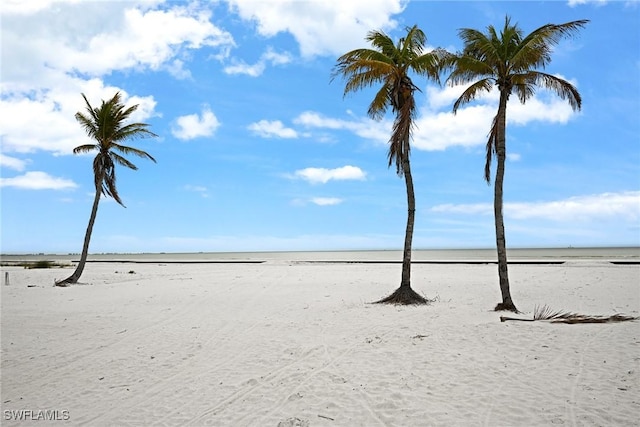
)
(624, 253)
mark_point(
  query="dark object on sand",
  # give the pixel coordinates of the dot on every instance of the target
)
(559, 316)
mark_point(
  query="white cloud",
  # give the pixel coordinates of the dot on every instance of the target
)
(203, 191)
(514, 157)
(329, 27)
(322, 175)
(326, 201)
(255, 70)
(540, 108)
(177, 70)
(276, 58)
(270, 129)
(573, 3)
(21, 7)
(437, 128)
(49, 57)
(624, 205)
(111, 36)
(37, 180)
(194, 126)
(241, 67)
(56, 129)
(364, 127)
(12, 163)
(440, 130)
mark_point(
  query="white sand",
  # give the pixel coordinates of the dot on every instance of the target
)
(284, 344)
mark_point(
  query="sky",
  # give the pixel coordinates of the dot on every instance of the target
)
(258, 149)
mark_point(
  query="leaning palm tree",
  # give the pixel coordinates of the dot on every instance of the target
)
(389, 64)
(106, 126)
(510, 61)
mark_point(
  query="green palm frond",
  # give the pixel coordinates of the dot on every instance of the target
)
(132, 151)
(431, 65)
(536, 48)
(133, 131)
(381, 42)
(86, 148)
(107, 126)
(362, 68)
(472, 92)
(117, 158)
(88, 123)
(380, 103)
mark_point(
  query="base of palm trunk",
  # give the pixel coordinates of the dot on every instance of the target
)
(404, 295)
(503, 306)
(66, 282)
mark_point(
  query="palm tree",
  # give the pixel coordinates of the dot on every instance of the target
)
(106, 126)
(508, 60)
(389, 64)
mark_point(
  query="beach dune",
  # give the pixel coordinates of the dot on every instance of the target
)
(286, 343)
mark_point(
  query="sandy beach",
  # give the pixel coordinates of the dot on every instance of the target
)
(293, 343)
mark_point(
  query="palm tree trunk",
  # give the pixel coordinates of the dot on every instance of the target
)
(405, 294)
(408, 236)
(501, 245)
(85, 247)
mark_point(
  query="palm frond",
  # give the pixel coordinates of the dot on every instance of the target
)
(109, 184)
(544, 313)
(88, 124)
(472, 92)
(132, 151)
(85, 148)
(559, 316)
(399, 143)
(381, 42)
(535, 49)
(561, 87)
(132, 131)
(490, 149)
(117, 158)
(380, 103)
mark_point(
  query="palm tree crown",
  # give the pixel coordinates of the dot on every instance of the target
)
(511, 61)
(106, 126)
(389, 64)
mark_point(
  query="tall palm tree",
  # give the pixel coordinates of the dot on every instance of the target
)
(389, 64)
(106, 126)
(510, 61)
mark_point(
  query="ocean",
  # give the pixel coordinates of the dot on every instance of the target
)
(622, 254)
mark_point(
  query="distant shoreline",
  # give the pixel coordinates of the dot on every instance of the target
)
(626, 255)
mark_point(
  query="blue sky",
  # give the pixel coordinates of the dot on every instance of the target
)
(259, 150)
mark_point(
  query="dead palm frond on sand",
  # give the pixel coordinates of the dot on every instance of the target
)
(545, 313)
